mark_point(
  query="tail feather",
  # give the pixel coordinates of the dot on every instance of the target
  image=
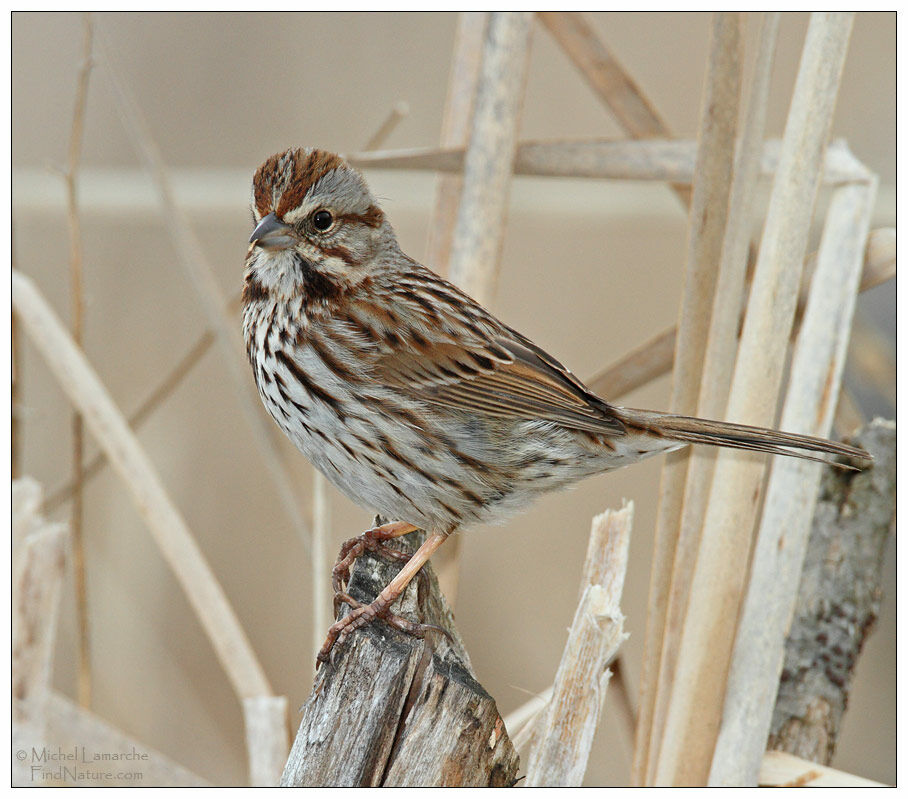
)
(739, 436)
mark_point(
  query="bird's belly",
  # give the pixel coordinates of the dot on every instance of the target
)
(384, 453)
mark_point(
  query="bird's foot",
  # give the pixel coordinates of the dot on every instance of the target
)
(362, 615)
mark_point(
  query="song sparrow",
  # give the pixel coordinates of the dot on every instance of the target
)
(408, 395)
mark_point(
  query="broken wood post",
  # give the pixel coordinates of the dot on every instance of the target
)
(390, 709)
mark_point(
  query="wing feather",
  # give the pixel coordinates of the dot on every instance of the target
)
(500, 373)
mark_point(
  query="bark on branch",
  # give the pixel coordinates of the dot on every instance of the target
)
(838, 599)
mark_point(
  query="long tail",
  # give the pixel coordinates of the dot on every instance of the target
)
(739, 436)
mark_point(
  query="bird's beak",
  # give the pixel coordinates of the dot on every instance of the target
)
(272, 234)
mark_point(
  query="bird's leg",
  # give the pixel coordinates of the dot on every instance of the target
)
(371, 541)
(363, 614)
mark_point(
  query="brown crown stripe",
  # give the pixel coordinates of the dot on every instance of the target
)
(303, 175)
(311, 388)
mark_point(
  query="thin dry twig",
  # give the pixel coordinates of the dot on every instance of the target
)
(571, 716)
(167, 525)
(395, 115)
(609, 80)
(791, 494)
(70, 177)
(695, 704)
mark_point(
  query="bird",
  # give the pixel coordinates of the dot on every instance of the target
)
(411, 397)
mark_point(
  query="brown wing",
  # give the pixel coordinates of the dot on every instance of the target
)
(498, 373)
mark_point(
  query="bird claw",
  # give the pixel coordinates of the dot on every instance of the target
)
(361, 615)
(352, 548)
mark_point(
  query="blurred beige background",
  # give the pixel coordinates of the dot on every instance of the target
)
(589, 270)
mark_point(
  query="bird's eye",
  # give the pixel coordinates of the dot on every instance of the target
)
(322, 220)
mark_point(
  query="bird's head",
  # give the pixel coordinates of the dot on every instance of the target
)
(317, 225)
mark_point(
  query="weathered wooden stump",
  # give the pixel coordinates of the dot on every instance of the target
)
(390, 709)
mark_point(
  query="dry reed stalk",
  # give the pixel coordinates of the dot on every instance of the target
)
(399, 112)
(455, 132)
(85, 390)
(782, 770)
(603, 159)
(654, 358)
(70, 177)
(267, 738)
(39, 551)
(683, 522)
(488, 164)
(569, 722)
(695, 706)
(706, 233)
(791, 493)
(318, 560)
(214, 304)
(478, 234)
(609, 80)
